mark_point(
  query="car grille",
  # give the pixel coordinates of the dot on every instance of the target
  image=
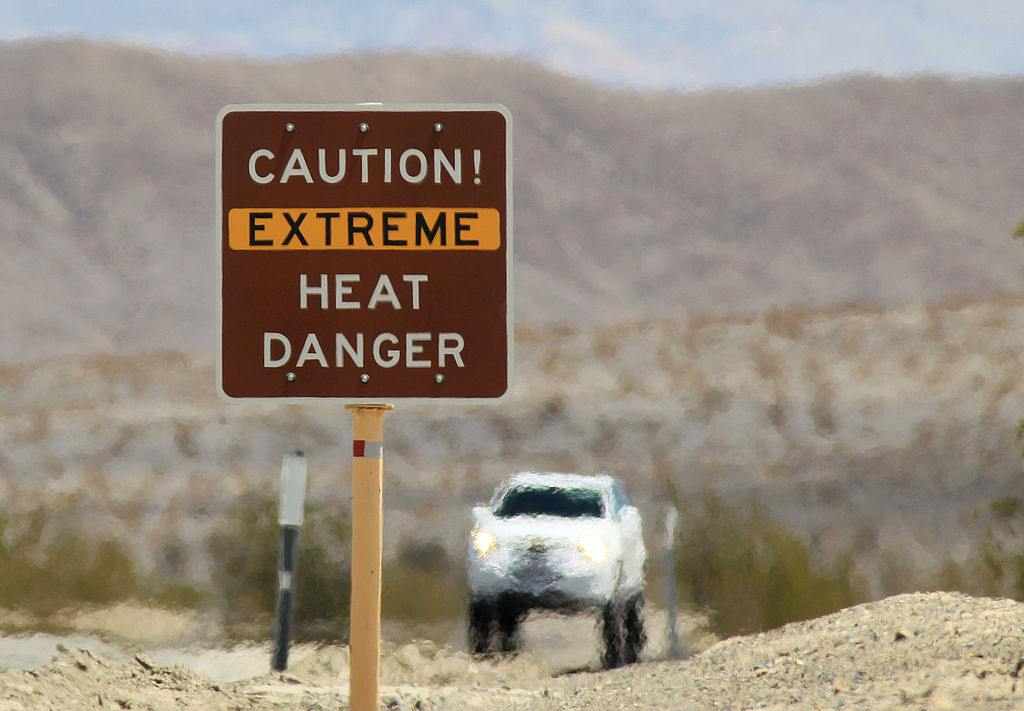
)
(533, 565)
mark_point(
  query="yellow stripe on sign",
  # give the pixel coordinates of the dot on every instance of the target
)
(431, 228)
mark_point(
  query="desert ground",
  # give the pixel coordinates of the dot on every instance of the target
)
(912, 651)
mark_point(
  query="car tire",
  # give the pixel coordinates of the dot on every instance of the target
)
(613, 634)
(509, 616)
(481, 617)
(633, 623)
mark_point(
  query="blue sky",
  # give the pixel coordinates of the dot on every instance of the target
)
(665, 44)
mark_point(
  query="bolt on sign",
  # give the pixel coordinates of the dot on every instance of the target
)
(365, 252)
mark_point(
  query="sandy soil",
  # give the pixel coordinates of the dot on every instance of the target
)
(923, 650)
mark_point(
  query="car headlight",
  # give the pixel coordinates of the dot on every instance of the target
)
(484, 543)
(593, 547)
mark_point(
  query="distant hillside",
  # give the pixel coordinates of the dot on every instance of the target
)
(627, 204)
(881, 437)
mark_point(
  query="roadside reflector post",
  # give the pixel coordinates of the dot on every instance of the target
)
(671, 519)
(293, 495)
(367, 535)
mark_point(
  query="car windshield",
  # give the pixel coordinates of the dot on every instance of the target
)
(551, 501)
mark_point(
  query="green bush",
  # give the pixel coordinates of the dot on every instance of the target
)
(69, 572)
(416, 586)
(1000, 552)
(424, 584)
(751, 572)
(1006, 507)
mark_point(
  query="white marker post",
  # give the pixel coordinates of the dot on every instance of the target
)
(671, 519)
(367, 535)
(293, 494)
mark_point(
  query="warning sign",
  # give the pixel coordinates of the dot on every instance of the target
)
(365, 252)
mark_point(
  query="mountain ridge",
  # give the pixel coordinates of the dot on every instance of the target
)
(628, 204)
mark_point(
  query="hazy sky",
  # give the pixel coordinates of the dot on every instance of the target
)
(678, 44)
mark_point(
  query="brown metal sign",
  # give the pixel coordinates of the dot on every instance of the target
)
(365, 252)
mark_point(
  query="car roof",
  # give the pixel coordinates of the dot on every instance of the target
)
(559, 479)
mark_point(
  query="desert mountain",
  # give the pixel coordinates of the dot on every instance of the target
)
(627, 204)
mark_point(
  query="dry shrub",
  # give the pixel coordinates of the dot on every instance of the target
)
(713, 401)
(821, 411)
(769, 362)
(785, 323)
(606, 344)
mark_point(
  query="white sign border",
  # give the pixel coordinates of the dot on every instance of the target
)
(364, 107)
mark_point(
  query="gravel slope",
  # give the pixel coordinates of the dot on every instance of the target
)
(921, 650)
(936, 650)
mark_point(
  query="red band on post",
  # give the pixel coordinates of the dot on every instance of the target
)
(368, 450)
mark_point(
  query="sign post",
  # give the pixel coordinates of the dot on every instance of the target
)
(365, 257)
(367, 535)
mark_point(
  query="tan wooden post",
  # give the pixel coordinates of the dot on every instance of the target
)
(367, 532)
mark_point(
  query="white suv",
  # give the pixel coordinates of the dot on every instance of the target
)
(565, 542)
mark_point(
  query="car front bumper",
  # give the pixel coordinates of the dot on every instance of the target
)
(543, 583)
